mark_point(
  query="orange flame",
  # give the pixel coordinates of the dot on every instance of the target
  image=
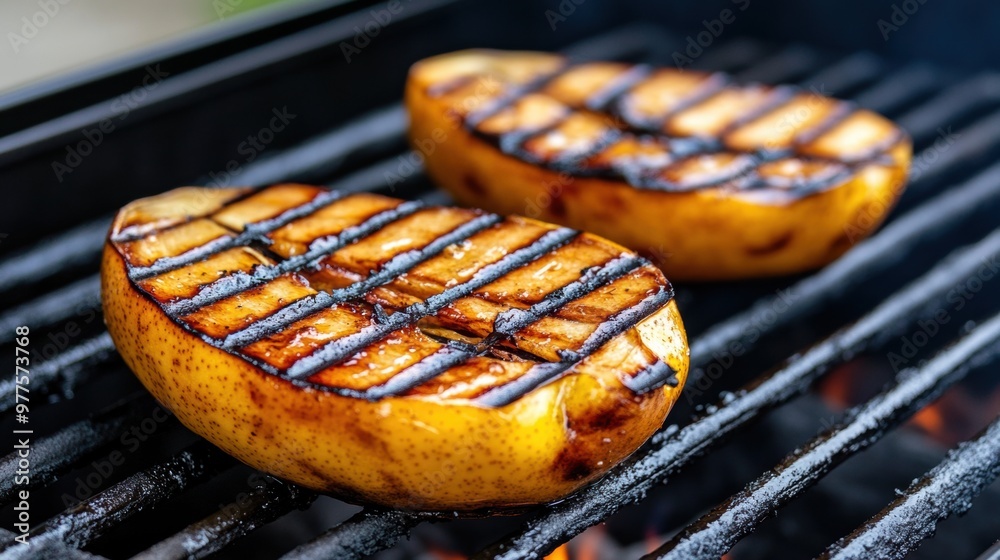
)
(561, 553)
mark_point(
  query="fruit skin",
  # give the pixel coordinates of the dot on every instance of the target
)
(707, 234)
(417, 453)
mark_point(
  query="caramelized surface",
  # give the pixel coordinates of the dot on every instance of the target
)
(604, 117)
(363, 292)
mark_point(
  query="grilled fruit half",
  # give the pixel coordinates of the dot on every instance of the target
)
(709, 179)
(417, 357)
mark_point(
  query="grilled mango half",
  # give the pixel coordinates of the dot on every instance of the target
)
(424, 358)
(709, 179)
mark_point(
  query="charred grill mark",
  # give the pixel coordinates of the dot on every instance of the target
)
(252, 233)
(451, 354)
(392, 269)
(233, 284)
(341, 349)
(618, 87)
(711, 85)
(779, 96)
(836, 116)
(652, 377)
(506, 99)
(610, 101)
(507, 324)
(125, 236)
(447, 357)
(543, 374)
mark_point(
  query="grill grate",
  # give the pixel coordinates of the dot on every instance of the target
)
(931, 215)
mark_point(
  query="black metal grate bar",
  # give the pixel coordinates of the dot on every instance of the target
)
(61, 452)
(716, 532)
(267, 502)
(789, 63)
(946, 490)
(82, 524)
(900, 88)
(672, 449)
(957, 100)
(64, 371)
(49, 257)
(732, 55)
(366, 533)
(210, 75)
(845, 75)
(79, 297)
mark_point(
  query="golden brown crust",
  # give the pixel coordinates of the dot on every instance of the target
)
(429, 449)
(856, 169)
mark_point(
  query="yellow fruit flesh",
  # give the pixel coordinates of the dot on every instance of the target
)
(434, 447)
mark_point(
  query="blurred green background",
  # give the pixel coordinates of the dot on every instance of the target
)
(44, 38)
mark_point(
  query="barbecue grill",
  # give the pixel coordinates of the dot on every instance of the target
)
(112, 475)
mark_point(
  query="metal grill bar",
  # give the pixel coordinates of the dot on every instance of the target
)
(54, 455)
(957, 100)
(716, 532)
(80, 296)
(993, 552)
(82, 524)
(672, 449)
(847, 74)
(55, 255)
(972, 142)
(946, 490)
(63, 372)
(732, 55)
(366, 533)
(202, 78)
(264, 504)
(899, 88)
(786, 64)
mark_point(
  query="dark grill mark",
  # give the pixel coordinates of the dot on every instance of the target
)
(543, 374)
(341, 349)
(252, 233)
(392, 269)
(611, 101)
(454, 352)
(235, 283)
(509, 322)
(652, 377)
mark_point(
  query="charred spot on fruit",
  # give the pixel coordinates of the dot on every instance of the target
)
(772, 247)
